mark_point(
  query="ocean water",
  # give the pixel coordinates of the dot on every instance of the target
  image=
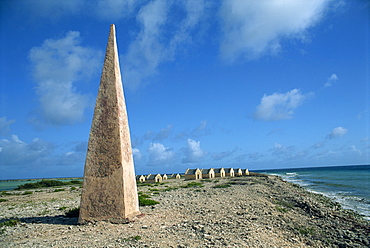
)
(13, 184)
(347, 185)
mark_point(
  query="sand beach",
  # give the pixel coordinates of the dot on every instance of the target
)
(253, 211)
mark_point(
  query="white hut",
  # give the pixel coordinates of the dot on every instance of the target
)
(220, 172)
(229, 172)
(193, 174)
(208, 173)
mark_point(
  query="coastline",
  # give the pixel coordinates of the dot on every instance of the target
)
(347, 185)
(254, 211)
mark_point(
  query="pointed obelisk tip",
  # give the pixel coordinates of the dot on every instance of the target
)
(112, 27)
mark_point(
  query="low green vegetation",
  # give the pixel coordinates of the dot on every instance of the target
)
(58, 190)
(283, 206)
(225, 185)
(193, 185)
(11, 222)
(307, 230)
(136, 238)
(73, 212)
(3, 200)
(27, 193)
(154, 189)
(281, 209)
(169, 188)
(45, 183)
(145, 201)
(62, 208)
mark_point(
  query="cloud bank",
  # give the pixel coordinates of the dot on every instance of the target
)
(13, 151)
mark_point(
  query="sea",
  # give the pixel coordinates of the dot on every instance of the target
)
(6, 185)
(347, 185)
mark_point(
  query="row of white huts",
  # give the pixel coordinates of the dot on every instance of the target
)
(156, 178)
(194, 174)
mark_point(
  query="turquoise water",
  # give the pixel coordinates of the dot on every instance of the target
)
(348, 185)
(10, 185)
(13, 184)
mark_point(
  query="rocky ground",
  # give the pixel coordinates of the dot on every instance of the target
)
(254, 211)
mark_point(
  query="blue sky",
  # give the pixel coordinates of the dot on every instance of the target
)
(250, 84)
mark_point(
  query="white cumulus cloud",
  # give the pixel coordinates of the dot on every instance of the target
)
(159, 154)
(337, 132)
(193, 152)
(331, 80)
(280, 106)
(57, 66)
(253, 28)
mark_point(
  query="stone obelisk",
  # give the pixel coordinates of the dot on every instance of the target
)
(109, 189)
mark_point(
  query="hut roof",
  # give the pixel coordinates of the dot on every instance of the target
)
(151, 176)
(191, 171)
(206, 171)
(218, 170)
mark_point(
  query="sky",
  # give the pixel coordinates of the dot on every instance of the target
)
(208, 83)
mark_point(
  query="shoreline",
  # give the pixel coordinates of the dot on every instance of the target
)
(253, 211)
(347, 185)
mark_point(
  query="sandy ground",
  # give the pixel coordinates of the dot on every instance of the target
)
(254, 211)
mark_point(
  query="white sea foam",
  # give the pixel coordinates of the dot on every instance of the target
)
(357, 204)
(292, 174)
(314, 182)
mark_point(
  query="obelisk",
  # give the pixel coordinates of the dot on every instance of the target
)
(109, 189)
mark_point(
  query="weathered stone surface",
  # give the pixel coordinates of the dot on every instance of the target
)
(109, 191)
